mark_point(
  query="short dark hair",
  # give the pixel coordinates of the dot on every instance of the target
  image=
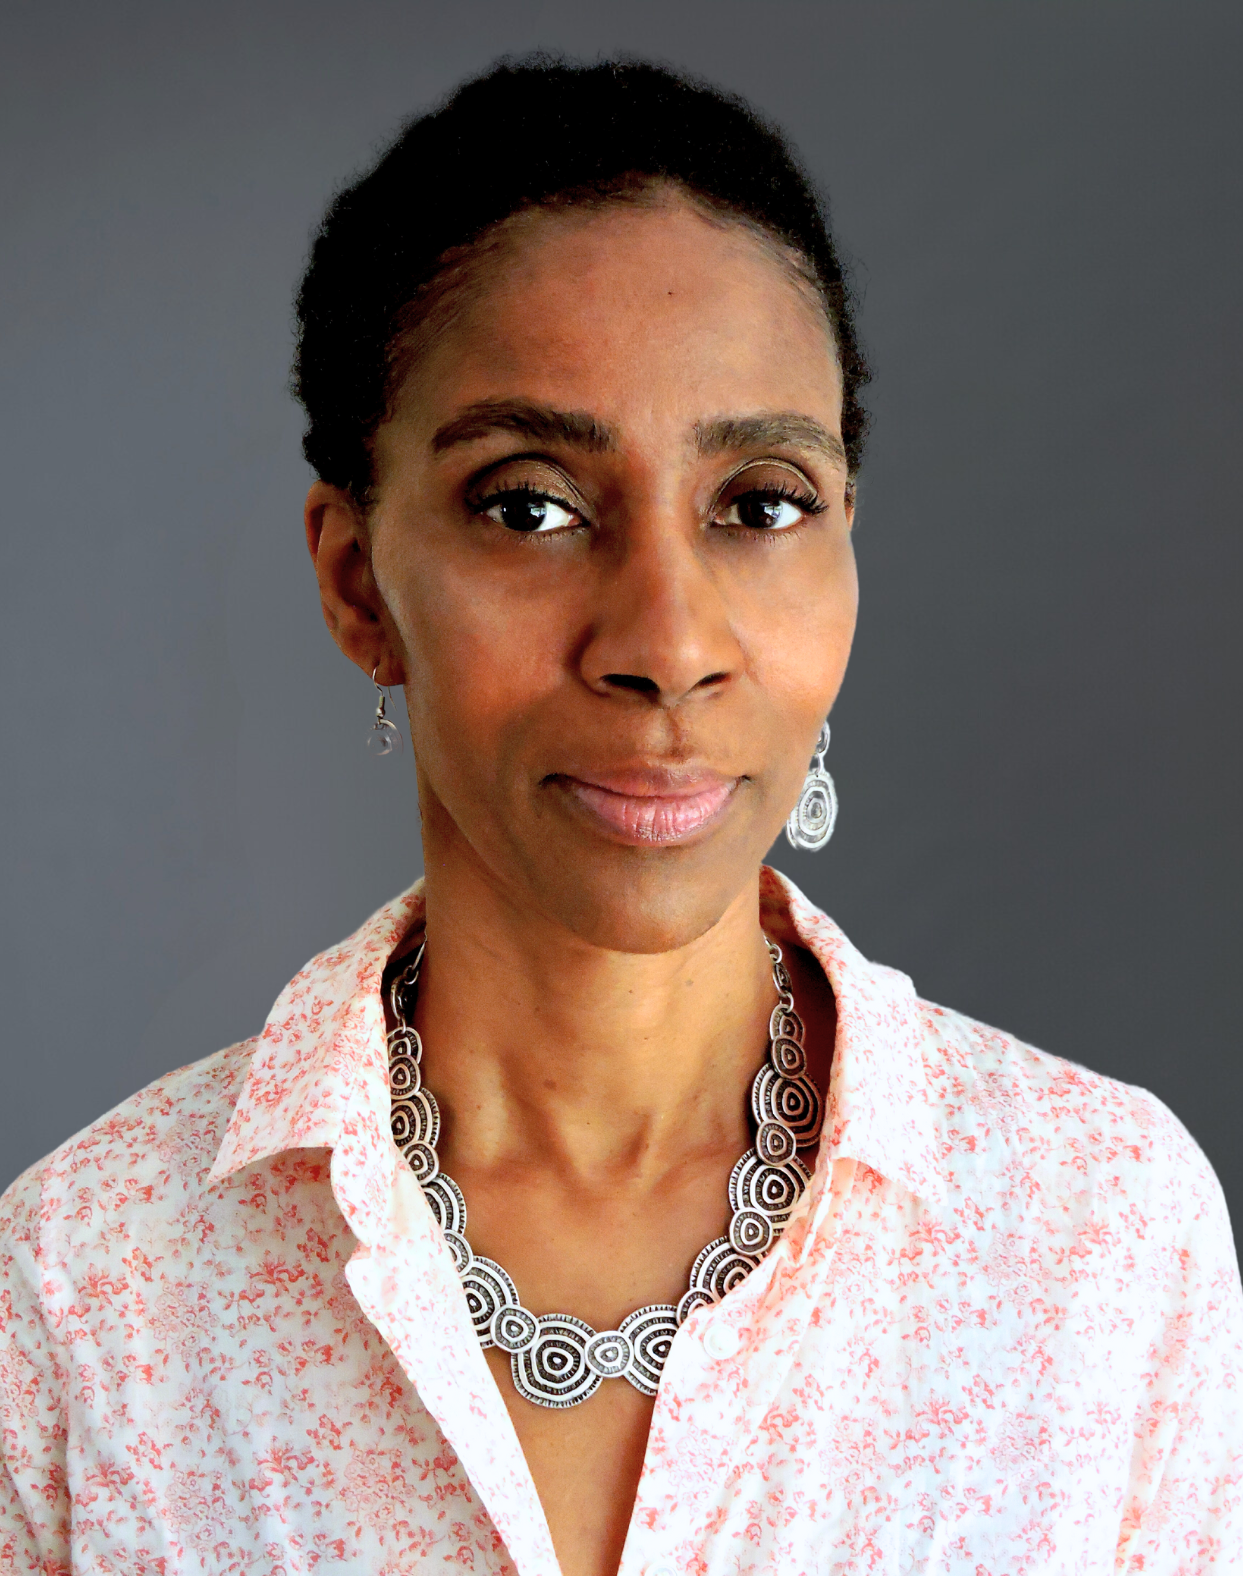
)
(533, 132)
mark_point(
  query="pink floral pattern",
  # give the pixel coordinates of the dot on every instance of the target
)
(1002, 1334)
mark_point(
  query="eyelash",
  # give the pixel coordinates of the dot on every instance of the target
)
(784, 493)
(520, 490)
(778, 493)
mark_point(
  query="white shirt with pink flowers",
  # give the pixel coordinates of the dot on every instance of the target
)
(1003, 1332)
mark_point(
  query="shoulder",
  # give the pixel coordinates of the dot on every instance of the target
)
(148, 1153)
(1073, 1139)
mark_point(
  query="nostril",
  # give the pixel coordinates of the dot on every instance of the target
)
(632, 681)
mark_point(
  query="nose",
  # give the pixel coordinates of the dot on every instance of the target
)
(662, 631)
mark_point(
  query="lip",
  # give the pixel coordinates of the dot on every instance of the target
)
(652, 806)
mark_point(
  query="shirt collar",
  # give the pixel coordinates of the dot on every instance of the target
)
(880, 1109)
(319, 1074)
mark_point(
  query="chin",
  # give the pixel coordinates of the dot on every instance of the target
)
(644, 900)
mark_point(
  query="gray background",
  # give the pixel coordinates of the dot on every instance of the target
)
(1037, 747)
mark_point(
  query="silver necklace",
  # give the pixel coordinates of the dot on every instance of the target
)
(558, 1360)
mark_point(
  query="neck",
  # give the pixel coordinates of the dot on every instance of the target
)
(603, 1064)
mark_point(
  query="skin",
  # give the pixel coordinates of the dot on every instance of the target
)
(611, 719)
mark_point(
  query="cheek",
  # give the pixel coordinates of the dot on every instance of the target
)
(480, 651)
(491, 650)
(802, 630)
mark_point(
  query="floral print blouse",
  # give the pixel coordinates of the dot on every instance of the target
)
(1002, 1333)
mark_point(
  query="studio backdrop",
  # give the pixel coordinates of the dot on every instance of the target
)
(1037, 746)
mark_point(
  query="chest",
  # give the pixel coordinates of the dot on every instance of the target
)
(939, 1397)
(585, 1462)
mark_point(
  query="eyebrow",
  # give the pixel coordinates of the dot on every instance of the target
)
(784, 427)
(528, 420)
(581, 430)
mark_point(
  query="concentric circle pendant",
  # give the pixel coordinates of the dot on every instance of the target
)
(813, 818)
(650, 1332)
(609, 1354)
(514, 1330)
(553, 1370)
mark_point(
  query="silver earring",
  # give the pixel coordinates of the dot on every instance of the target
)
(385, 736)
(813, 818)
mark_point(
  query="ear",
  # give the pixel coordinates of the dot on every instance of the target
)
(354, 610)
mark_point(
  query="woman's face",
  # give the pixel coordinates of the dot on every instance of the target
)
(612, 539)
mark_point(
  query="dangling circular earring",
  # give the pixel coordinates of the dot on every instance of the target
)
(813, 818)
(385, 736)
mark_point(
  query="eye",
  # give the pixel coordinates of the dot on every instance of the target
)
(761, 511)
(772, 508)
(524, 509)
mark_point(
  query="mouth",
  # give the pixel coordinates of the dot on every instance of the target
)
(652, 807)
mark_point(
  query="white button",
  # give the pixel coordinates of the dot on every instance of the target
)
(659, 1568)
(721, 1339)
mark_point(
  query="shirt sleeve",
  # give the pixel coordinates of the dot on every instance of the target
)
(1184, 1514)
(34, 1498)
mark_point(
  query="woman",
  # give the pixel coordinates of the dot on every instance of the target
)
(769, 1266)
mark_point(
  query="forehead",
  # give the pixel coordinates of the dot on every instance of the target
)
(645, 314)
